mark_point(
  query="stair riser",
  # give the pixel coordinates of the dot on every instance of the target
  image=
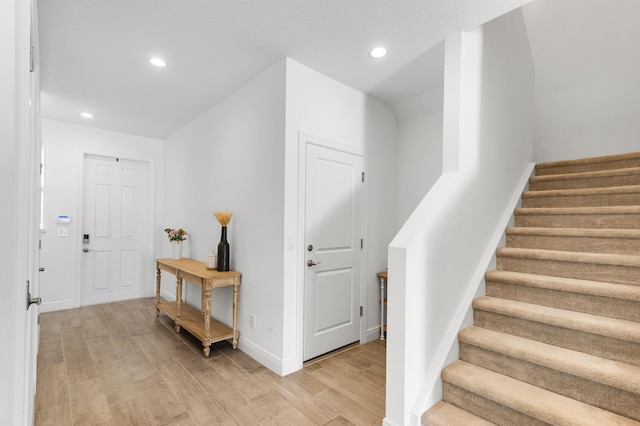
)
(606, 397)
(485, 408)
(594, 200)
(629, 246)
(584, 271)
(603, 221)
(589, 343)
(590, 304)
(588, 167)
(595, 182)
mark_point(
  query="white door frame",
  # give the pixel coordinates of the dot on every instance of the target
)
(148, 255)
(304, 139)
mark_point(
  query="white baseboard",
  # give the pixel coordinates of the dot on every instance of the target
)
(59, 305)
(167, 295)
(265, 358)
(372, 334)
(388, 422)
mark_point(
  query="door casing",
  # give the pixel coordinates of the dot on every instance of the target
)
(305, 138)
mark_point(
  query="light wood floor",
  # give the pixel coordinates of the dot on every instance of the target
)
(117, 364)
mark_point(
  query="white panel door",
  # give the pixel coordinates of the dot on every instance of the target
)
(114, 212)
(333, 254)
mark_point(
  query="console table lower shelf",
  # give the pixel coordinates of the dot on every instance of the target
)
(192, 321)
(198, 322)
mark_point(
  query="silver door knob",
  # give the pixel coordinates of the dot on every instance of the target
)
(311, 263)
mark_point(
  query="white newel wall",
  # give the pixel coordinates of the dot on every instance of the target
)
(65, 145)
(437, 260)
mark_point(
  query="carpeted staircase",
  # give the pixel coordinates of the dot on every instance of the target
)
(556, 339)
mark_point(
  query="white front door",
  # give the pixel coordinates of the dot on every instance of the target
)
(114, 213)
(333, 253)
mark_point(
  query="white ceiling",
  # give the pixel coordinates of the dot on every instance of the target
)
(94, 53)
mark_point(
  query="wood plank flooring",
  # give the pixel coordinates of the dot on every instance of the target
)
(117, 364)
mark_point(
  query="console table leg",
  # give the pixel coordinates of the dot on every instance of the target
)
(157, 290)
(235, 314)
(178, 301)
(206, 311)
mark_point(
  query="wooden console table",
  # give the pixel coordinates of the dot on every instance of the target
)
(198, 323)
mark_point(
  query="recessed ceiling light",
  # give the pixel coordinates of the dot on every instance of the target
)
(86, 115)
(158, 62)
(378, 52)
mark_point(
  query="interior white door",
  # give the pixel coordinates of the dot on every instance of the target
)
(333, 253)
(114, 212)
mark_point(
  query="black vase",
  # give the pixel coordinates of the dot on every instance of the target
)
(223, 251)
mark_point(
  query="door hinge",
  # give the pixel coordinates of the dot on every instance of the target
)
(363, 176)
(360, 310)
(361, 243)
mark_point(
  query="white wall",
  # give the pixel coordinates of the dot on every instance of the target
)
(321, 106)
(65, 145)
(587, 100)
(437, 258)
(232, 158)
(419, 161)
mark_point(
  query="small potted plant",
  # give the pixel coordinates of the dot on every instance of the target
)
(176, 237)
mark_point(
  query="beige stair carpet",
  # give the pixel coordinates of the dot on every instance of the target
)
(556, 338)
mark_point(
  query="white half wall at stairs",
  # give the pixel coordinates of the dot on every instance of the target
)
(437, 259)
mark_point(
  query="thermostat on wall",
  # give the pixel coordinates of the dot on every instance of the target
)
(64, 219)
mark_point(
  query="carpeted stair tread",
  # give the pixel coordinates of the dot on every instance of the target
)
(608, 162)
(609, 217)
(593, 324)
(444, 414)
(628, 195)
(612, 241)
(570, 256)
(604, 178)
(576, 232)
(592, 297)
(597, 369)
(614, 268)
(534, 402)
(594, 288)
(579, 210)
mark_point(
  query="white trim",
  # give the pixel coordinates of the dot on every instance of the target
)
(429, 393)
(266, 358)
(372, 334)
(58, 305)
(309, 138)
(167, 295)
(389, 422)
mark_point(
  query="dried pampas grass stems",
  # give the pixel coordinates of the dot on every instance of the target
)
(224, 217)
